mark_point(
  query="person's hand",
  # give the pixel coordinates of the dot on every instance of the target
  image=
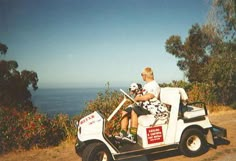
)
(145, 97)
(137, 98)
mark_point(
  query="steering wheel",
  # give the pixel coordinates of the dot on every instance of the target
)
(121, 104)
(128, 96)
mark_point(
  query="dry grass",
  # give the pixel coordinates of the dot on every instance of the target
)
(218, 108)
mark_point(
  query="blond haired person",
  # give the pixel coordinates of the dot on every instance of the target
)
(151, 91)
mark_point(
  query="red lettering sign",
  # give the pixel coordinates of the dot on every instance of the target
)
(154, 135)
(90, 117)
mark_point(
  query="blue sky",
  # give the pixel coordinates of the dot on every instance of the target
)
(86, 43)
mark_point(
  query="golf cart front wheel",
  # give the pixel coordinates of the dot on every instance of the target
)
(193, 143)
(96, 152)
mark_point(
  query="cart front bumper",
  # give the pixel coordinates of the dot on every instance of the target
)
(218, 132)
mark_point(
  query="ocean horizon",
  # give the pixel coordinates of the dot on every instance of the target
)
(71, 101)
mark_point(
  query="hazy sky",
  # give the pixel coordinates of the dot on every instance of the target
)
(81, 43)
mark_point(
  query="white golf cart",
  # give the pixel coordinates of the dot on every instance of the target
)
(187, 128)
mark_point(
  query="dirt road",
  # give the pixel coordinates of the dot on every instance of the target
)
(225, 151)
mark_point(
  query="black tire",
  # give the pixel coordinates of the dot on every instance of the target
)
(96, 152)
(193, 143)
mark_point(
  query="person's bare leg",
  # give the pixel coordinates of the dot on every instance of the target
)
(133, 129)
(134, 119)
(124, 121)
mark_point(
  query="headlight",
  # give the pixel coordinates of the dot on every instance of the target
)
(76, 123)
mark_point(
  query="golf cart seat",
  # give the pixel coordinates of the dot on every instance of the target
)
(194, 110)
(165, 95)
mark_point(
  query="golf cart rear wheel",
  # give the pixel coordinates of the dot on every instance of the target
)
(96, 152)
(193, 143)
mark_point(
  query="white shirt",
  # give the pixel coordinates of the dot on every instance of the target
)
(152, 104)
(153, 88)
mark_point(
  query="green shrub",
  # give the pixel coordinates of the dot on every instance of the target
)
(181, 84)
(64, 122)
(197, 91)
(203, 92)
(29, 129)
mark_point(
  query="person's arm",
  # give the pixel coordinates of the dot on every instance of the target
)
(145, 97)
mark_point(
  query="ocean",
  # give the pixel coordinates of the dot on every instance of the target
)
(67, 101)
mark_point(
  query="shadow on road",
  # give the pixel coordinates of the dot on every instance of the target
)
(162, 155)
(157, 156)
